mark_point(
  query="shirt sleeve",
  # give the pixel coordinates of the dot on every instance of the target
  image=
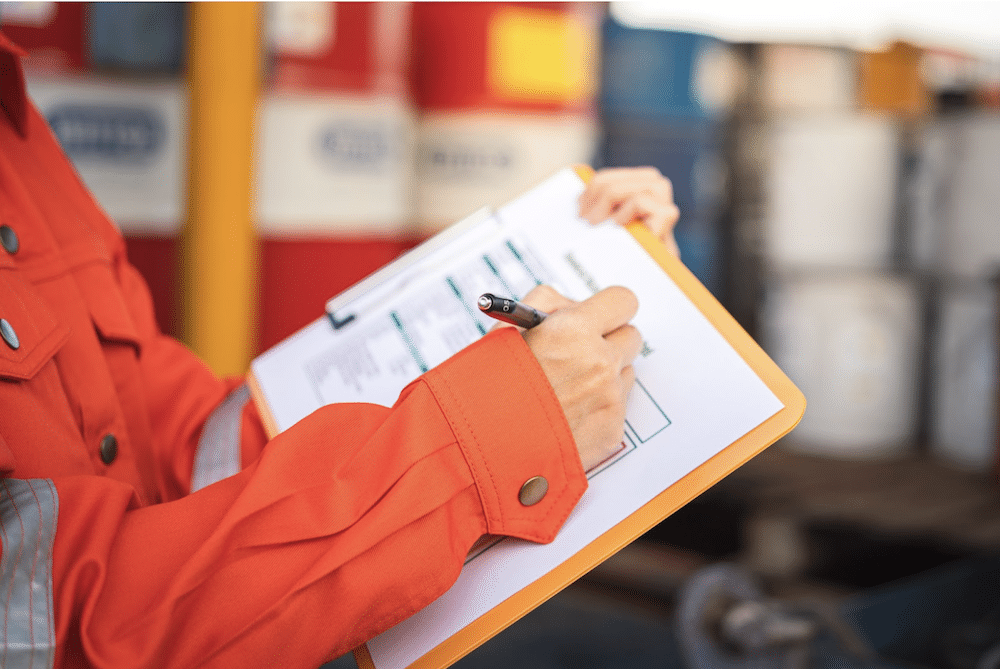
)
(347, 523)
(180, 396)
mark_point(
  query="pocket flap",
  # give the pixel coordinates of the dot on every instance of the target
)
(38, 332)
(106, 304)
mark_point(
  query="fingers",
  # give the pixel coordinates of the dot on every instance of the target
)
(660, 217)
(608, 309)
(628, 194)
(547, 299)
(607, 313)
(625, 342)
(627, 381)
(610, 188)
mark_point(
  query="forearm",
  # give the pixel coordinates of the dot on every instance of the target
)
(348, 522)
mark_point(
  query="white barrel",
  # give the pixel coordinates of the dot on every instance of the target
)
(331, 163)
(851, 344)
(468, 160)
(925, 195)
(831, 190)
(964, 377)
(128, 141)
(956, 196)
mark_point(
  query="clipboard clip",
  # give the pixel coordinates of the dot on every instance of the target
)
(351, 304)
(341, 322)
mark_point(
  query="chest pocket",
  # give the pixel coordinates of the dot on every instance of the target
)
(32, 334)
(38, 336)
(106, 304)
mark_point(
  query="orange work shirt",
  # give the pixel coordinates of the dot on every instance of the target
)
(145, 521)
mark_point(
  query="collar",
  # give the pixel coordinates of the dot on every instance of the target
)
(13, 98)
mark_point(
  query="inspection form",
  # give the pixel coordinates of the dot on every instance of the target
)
(694, 394)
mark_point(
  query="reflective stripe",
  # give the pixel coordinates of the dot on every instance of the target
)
(28, 512)
(218, 455)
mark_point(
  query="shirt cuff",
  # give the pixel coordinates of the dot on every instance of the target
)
(511, 429)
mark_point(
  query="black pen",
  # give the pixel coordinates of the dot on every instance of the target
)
(510, 311)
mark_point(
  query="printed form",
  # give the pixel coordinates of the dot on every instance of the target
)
(694, 394)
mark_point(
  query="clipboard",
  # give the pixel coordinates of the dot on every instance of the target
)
(697, 481)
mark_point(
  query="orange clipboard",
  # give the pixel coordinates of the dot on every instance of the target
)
(670, 500)
(661, 506)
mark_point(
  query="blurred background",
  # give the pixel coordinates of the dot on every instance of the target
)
(838, 172)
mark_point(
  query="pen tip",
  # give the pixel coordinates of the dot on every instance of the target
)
(485, 302)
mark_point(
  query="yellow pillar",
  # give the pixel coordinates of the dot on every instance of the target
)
(220, 250)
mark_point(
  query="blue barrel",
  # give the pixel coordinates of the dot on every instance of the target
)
(689, 153)
(653, 74)
(137, 36)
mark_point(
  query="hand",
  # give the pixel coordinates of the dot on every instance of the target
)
(586, 351)
(627, 194)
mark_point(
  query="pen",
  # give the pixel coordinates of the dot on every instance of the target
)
(510, 311)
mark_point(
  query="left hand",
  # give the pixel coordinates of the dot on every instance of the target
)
(629, 194)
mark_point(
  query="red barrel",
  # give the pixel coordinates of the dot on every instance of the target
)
(513, 56)
(473, 159)
(507, 93)
(335, 155)
(357, 47)
(128, 141)
(126, 137)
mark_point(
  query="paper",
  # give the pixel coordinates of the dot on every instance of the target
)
(694, 394)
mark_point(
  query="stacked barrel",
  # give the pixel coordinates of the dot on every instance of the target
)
(955, 200)
(107, 78)
(842, 315)
(336, 133)
(506, 97)
(666, 101)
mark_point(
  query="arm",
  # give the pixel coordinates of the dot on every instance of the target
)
(348, 522)
(180, 395)
(359, 515)
(183, 393)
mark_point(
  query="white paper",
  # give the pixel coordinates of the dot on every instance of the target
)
(694, 394)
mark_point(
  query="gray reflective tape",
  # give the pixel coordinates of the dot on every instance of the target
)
(218, 455)
(29, 510)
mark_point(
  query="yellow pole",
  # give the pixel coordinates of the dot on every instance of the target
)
(220, 251)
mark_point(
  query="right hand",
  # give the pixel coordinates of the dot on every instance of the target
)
(586, 350)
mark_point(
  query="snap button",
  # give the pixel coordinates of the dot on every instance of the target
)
(8, 334)
(109, 448)
(533, 490)
(9, 239)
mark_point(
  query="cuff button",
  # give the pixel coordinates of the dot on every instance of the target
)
(533, 490)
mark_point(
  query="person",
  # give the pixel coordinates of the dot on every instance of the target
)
(146, 521)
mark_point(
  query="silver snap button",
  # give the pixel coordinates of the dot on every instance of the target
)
(8, 334)
(8, 238)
